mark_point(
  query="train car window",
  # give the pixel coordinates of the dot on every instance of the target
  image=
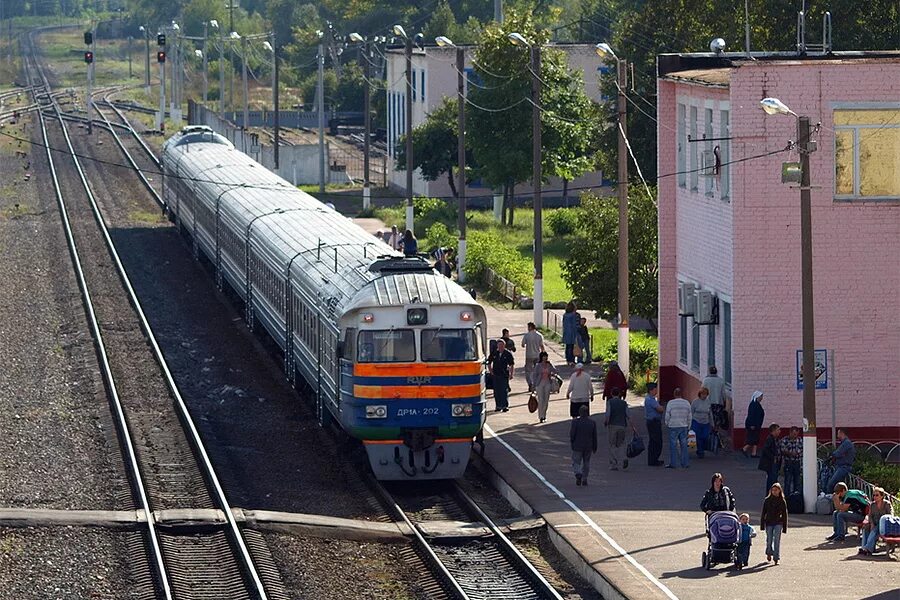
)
(349, 349)
(386, 345)
(448, 345)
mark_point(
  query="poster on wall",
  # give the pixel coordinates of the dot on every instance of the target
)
(821, 368)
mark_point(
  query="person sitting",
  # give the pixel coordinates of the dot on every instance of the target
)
(879, 507)
(718, 497)
(849, 507)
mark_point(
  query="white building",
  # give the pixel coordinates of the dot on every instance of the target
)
(434, 77)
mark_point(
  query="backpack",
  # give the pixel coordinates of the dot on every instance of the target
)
(795, 503)
(856, 498)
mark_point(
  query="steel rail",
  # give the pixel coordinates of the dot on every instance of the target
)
(187, 421)
(135, 471)
(134, 132)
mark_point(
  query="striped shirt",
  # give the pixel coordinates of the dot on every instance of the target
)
(678, 413)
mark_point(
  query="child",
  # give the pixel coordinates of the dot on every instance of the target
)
(774, 519)
(743, 549)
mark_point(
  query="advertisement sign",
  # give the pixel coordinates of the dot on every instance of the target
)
(821, 368)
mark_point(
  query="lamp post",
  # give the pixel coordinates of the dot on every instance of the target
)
(320, 108)
(146, 33)
(205, 62)
(605, 52)
(367, 118)
(519, 40)
(400, 32)
(773, 106)
(271, 47)
(443, 42)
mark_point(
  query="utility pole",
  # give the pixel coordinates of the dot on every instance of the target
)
(536, 177)
(320, 108)
(367, 119)
(808, 322)
(277, 134)
(172, 60)
(147, 62)
(461, 161)
(162, 94)
(90, 86)
(622, 192)
(246, 120)
(205, 62)
(221, 76)
(409, 145)
(498, 11)
(130, 44)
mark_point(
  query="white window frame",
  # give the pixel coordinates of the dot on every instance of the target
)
(680, 143)
(856, 129)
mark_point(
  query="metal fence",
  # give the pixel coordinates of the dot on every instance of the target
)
(502, 286)
(353, 164)
(553, 321)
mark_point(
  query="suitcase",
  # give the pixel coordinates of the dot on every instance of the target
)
(795, 503)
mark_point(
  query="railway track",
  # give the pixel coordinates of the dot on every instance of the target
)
(472, 557)
(194, 548)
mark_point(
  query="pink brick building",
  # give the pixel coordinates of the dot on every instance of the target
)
(728, 226)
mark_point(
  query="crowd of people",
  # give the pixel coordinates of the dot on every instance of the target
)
(696, 424)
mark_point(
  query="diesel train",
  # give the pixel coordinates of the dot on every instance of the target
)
(389, 349)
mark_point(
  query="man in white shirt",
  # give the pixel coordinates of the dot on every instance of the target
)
(678, 420)
(533, 342)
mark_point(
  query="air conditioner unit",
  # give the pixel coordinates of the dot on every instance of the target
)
(708, 163)
(707, 312)
(687, 299)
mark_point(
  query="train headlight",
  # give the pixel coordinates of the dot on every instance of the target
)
(461, 410)
(416, 316)
(376, 411)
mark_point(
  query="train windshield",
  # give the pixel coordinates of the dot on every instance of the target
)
(386, 345)
(448, 345)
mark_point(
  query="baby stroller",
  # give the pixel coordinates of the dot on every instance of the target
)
(723, 529)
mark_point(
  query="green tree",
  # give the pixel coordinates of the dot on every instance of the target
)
(435, 144)
(500, 122)
(592, 271)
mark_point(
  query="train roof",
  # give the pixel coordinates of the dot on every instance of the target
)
(334, 258)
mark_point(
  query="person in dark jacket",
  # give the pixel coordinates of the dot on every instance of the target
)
(583, 437)
(410, 244)
(718, 497)
(615, 378)
(756, 415)
(770, 459)
(570, 322)
(774, 521)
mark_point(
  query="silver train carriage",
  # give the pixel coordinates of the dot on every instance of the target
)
(391, 350)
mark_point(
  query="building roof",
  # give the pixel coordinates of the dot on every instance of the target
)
(708, 77)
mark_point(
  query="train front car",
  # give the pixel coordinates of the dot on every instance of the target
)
(412, 386)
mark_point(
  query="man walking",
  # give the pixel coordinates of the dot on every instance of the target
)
(843, 458)
(502, 367)
(678, 419)
(792, 453)
(583, 438)
(533, 342)
(617, 421)
(653, 415)
(580, 392)
(716, 387)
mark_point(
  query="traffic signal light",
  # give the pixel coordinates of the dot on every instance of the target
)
(88, 57)
(88, 38)
(161, 57)
(160, 39)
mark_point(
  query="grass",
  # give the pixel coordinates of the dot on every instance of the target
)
(520, 235)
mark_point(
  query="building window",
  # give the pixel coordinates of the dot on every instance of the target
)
(695, 346)
(867, 154)
(681, 142)
(692, 147)
(682, 339)
(724, 156)
(413, 85)
(710, 346)
(422, 86)
(726, 342)
(708, 152)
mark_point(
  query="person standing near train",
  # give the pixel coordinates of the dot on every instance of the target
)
(502, 366)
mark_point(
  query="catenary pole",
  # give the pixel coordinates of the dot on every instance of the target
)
(536, 179)
(409, 144)
(320, 109)
(622, 192)
(277, 124)
(461, 160)
(367, 119)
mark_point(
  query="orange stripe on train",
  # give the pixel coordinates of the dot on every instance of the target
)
(422, 392)
(416, 369)
(437, 441)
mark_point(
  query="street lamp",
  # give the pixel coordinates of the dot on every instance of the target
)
(605, 52)
(400, 32)
(221, 46)
(774, 106)
(519, 40)
(445, 42)
(233, 37)
(146, 33)
(356, 38)
(174, 103)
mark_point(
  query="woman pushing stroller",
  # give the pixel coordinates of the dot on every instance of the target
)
(723, 528)
(718, 497)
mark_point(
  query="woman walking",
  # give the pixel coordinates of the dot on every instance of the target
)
(570, 322)
(774, 521)
(756, 414)
(615, 378)
(543, 375)
(701, 419)
(718, 497)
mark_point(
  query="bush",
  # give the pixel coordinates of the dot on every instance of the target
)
(487, 250)
(643, 354)
(428, 211)
(871, 467)
(562, 221)
(438, 236)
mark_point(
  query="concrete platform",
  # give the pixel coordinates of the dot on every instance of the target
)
(640, 533)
